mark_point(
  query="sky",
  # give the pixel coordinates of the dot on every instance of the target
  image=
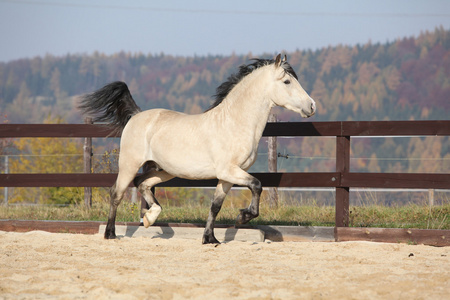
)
(200, 27)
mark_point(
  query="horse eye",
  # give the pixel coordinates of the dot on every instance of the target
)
(287, 81)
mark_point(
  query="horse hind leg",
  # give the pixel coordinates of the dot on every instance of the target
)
(116, 195)
(145, 183)
(151, 214)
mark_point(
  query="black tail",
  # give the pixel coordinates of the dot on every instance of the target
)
(112, 104)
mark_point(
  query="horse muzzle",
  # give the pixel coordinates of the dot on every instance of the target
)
(313, 108)
(311, 112)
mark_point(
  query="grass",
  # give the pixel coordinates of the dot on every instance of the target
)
(310, 214)
(408, 216)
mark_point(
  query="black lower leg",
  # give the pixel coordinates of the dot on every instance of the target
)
(110, 231)
(208, 235)
(252, 211)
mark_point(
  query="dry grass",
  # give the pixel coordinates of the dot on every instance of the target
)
(409, 216)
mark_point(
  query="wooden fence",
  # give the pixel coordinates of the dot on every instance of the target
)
(342, 179)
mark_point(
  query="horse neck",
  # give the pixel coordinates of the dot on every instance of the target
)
(247, 106)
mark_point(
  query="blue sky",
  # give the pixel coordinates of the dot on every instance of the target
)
(198, 27)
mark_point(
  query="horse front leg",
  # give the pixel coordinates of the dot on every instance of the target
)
(216, 204)
(252, 211)
(240, 177)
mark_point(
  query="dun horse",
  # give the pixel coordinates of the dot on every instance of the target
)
(219, 143)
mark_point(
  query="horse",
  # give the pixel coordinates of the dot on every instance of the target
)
(220, 143)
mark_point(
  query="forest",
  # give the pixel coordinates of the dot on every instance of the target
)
(407, 79)
(401, 80)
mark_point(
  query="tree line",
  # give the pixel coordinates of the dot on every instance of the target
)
(404, 79)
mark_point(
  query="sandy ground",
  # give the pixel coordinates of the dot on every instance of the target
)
(40, 265)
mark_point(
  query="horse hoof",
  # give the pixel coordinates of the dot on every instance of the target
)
(242, 218)
(145, 221)
(239, 220)
(110, 236)
(210, 239)
(151, 215)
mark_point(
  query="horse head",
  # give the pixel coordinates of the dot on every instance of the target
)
(288, 92)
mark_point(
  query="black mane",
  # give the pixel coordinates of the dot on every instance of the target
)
(225, 88)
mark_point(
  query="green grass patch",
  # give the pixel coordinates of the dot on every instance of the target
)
(409, 216)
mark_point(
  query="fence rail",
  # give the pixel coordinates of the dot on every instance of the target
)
(348, 128)
(342, 179)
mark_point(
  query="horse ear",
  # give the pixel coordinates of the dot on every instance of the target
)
(285, 58)
(278, 61)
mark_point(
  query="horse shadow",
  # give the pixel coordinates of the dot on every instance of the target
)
(167, 232)
(230, 234)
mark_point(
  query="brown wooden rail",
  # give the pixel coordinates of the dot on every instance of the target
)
(342, 179)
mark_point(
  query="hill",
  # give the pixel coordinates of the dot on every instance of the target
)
(401, 80)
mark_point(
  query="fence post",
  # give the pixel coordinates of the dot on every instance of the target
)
(88, 165)
(272, 145)
(6, 172)
(431, 198)
(342, 193)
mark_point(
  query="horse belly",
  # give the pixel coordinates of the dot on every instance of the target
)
(249, 161)
(180, 164)
(182, 157)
